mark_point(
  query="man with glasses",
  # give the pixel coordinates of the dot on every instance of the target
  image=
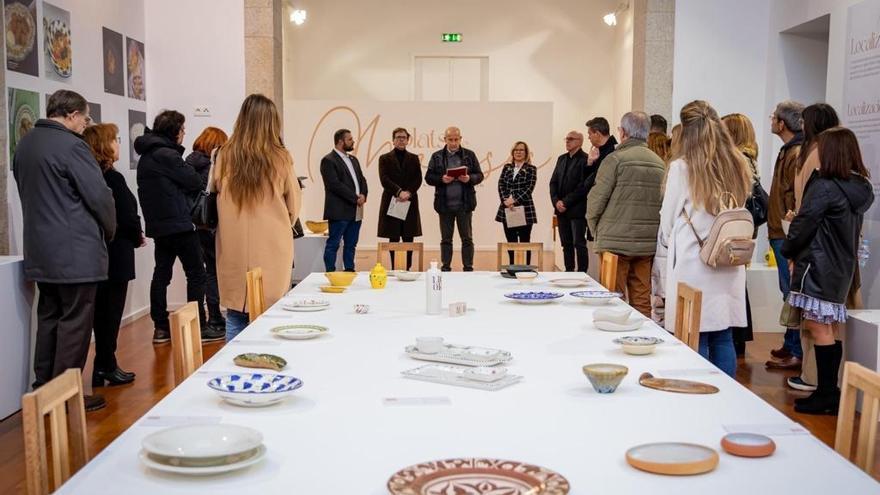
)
(400, 173)
(568, 193)
(68, 214)
(786, 123)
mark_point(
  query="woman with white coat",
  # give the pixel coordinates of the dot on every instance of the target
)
(708, 173)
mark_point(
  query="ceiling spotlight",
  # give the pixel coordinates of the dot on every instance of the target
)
(610, 19)
(298, 17)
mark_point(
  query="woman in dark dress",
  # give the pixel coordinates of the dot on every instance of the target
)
(515, 188)
(110, 299)
(400, 173)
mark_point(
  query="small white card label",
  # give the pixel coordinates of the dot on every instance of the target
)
(157, 420)
(416, 401)
(457, 309)
(771, 429)
(254, 342)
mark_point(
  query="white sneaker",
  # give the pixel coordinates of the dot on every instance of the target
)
(796, 383)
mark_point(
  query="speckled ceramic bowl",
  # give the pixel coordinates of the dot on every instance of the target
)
(605, 377)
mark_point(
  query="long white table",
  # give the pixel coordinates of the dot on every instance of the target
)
(336, 436)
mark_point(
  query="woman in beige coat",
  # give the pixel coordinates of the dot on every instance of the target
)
(258, 201)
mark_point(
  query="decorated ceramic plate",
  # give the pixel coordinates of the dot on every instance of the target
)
(231, 463)
(306, 305)
(534, 297)
(20, 31)
(672, 458)
(595, 296)
(477, 476)
(638, 340)
(57, 37)
(570, 282)
(254, 389)
(299, 332)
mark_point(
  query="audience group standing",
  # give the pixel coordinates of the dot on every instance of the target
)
(650, 199)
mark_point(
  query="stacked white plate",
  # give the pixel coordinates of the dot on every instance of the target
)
(308, 304)
(202, 449)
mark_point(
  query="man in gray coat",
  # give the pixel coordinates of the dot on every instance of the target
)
(68, 215)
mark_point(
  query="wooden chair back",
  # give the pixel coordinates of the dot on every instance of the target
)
(519, 253)
(608, 271)
(855, 378)
(62, 401)
(186, 341)
(398, 250)
(688, 309)
(256, 300)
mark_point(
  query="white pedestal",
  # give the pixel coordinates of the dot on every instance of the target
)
(764, 297)
(308, 256)
(15, 353)
(863, 338)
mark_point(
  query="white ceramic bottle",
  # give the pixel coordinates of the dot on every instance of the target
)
(434, 290)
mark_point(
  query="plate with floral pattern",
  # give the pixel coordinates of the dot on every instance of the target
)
(477, 476)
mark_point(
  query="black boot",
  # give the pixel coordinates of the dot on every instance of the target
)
(826, 398)
(115, 377)
(215, 316)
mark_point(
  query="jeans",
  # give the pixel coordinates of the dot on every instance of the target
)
(718, 348)
(346, 232)
(519, 234)
(792, 341)
(209, 256)
(573, 235)
(183, 245)
(109, 305)
(236, 321)
(448, 222)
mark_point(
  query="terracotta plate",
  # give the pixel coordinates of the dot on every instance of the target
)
(679, 386)
(476, 476)
(748, 445)
(672, 458)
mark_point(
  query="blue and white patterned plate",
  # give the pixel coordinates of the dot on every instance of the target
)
(638, 340)
(596, 296)
(254, 389)
(534, 297)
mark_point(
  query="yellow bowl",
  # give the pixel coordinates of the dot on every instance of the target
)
(317, 226)
(332, 290)
(340, 279)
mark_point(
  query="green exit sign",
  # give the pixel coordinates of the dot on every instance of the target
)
(451, 37)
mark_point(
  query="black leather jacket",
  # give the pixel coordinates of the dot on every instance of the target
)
(824, 236)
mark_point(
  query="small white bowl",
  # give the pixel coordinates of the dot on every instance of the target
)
(628, 326)
(614, 315)
(638, 345)
(361, 309)
(408, 276)
(429, 345)
(526, 278)
(202, 440)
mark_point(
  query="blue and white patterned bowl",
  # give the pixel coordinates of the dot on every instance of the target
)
(596, 296)
(533, 297)
(254, 389)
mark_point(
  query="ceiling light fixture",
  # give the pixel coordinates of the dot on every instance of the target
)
(611, 17)
(298, 17)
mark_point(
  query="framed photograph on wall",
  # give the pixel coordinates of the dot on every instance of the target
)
(114, 77)
(24, 110)
(21, 36)
(57, 43)
(95, 112)
(137, 123)
(136, 77)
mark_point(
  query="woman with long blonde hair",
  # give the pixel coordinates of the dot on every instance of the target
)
(258, 201)
(710, 175)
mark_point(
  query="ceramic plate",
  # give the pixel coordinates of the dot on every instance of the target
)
(299, 332)
(610, 326)
(678, 386)
(477, 476)
(672, 458)
(638, 340)
(204, 440)
(408, 276)
(570, 282)
(331, 289)
(254, 389)
(533, 297)
(168, 465)
(748, 444)
(306, 305)
(596, 296)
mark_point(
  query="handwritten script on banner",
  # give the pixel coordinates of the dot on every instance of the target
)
(488, 129)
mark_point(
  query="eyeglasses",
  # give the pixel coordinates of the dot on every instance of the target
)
(118, 140)
(401, 137)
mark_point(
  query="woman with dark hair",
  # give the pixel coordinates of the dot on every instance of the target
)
(103, 140)
(821, 247)
(200, 159)
(515, 188)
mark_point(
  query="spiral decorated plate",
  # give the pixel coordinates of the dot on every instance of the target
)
(477, 476)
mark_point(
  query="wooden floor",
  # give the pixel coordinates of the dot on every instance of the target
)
(127, 403)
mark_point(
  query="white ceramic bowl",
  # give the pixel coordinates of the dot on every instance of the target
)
(614, 315)
(610, 326)
(203, 440)
(408, 276)
(254, 389)
(526, 278)
(638, 345)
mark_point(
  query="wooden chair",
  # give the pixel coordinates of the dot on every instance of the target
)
(62, 400)
(608, 271)
(186, 341)
(398, 251)
(519, 253)
(856, 377)
(256, 299)
(688, 309)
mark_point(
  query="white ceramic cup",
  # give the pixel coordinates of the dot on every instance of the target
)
(429, 345)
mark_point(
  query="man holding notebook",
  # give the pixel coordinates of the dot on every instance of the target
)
(454, 171)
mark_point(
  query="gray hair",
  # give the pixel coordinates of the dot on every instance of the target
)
(636, 125)
(789, 112)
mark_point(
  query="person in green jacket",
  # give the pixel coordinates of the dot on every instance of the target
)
(623, 209)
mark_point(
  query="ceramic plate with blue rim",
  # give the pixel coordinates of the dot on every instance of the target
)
(534, 297)
(638, 340)
(596, 296)
(254, 389)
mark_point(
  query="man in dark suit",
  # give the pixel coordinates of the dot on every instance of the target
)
(345, 192)
(568, 192)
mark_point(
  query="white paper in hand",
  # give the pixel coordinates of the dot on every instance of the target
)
(515, 217)
(398, 209)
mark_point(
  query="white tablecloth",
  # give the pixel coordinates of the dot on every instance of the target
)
(337, 437)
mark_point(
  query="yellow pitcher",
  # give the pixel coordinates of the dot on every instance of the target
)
(378, 276)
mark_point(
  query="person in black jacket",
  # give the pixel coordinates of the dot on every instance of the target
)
(68, 213)
(400, 173)
(345, 193)
(110, 299)
(515, 187)
(821, 247)
(166, 186)
(455, 198)
(568, 193)
(204, 146)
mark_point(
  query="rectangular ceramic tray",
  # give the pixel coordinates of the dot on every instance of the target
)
(427, 373)
(455, 354)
